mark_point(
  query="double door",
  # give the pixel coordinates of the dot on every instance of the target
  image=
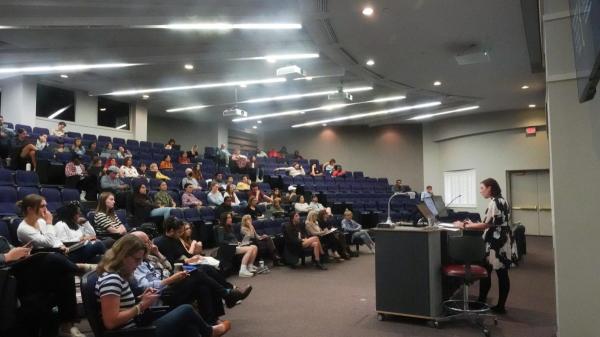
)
(530, 201)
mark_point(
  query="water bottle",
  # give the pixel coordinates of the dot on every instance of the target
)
(28, 167)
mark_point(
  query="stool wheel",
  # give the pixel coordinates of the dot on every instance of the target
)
(381, 317)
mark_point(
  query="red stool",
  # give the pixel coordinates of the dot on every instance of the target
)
(465, 251)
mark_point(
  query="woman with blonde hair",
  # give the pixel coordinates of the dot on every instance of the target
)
(326, 236)
(118, 304)
(248, 251)
(265, 241)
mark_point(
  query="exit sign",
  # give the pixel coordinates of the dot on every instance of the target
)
(530, 131)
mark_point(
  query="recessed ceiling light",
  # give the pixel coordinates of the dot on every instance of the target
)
(532, 105)
(259, 122)
(367, 11)
(444, 112)
(67, 67)
(308, 78)
(324, 124)
(255, 127)
(281, 57)
(196, 86)
(243, 86)
(145, 96)
(226, 26)
(102, 109)
(370, 62)
(189, 66)
(437, 83)
(370, 114)
(323, 107)
(525, 87)
(64, 76)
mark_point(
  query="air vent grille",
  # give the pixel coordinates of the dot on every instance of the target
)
(349, 56)
(329, 31)
(321, 5)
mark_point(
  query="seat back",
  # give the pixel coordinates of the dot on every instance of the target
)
(27, 178)
(90, 302)
(466, 249)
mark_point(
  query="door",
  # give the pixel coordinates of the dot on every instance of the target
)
(530, 201)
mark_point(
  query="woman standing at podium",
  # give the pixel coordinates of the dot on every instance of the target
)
(498, 242)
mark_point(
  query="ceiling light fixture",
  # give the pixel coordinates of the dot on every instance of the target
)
(367, 11)
(189, 66)
(64, 76)
(532, 105)
(323, 107)
(324, 124)
(444, 112)
(259, 122)
(370, 114)
(122, 126)
(59, 111)
(226, 26)
(281, 57)
(437, 83)
(195, 107)
(525, 87)
(310, 94)
(255, 127)
(243, 86)
(196, 86)
(102, 109)
(144, 97)
(370, 62)
(65, 68)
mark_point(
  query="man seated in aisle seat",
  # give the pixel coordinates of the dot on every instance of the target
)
(60, 130)
(399, 187)
(23, 151)
(188, 199)
(295, 170)
(258, 194)
(111, 182)
(190, 180)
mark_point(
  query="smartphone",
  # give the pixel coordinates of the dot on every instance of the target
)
(28, 244)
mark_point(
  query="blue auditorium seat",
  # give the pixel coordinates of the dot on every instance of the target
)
(41, 131)
(22, 192)
(118, 141)
(89, 138)
(8, 200)
(104, 139)
(53, 198)
(69, 194)
(27, 178)
(6, 178)
(24, 127)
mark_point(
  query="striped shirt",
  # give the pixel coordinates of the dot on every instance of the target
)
(114, 284)
(103, 222)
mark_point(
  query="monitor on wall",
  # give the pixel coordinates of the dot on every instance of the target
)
(585, 27)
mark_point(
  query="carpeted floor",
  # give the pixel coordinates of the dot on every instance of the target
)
(340, 302)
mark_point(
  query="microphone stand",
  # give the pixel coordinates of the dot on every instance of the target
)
(453, 200)
(389, 218)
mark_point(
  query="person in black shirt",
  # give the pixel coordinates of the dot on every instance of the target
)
(225, 207)
(23, 151)
(296, 239)
(252, 208)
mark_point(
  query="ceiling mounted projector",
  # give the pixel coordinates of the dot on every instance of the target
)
(290, 72)
(235, 112)
(340, 96)
(473, 55)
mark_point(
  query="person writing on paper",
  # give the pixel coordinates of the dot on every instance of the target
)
(498, 240)
(183, 287)
(118, 304)
(326, 236)
(250, 235)
(296, 240)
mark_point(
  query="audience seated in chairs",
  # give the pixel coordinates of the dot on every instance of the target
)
(315, 205)
(296, 240)
(230, 192)
(78, 147)
(110, 161)
(225, 207)
(162, 198)
(252, 209)
(118, 302)
(262, 241)
(301, 206)
(188, 199)
(193, 153)
(249, 251)
(42, 143)
(329, 166)
(106, 221)
(170, 144)
(354, 228)
(258, 194)
(183, 158)
(294, 170)
(191, 246)
(123, 153)
(399, 187)
(275, 210)
(92, 150)
(155, 173)
(71, 228)
(6, 136)
(23, 151)
(127, 170)
(144, 207)
(166, 163)
(37, 299)
(205, 286)
(260, 153)
(60, 129)
(239, 162)
(76, 176)
(244, 184)
(223, 156)
(315, 170)
(338, 171)
(326, 236)
(94, 171)
(214, 197)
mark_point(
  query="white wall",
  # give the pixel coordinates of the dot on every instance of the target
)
(185, 132)
(18, 107)
(490, 143)
(391, 151)
(575, 180)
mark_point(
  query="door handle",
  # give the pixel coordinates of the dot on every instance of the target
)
(525, 208)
